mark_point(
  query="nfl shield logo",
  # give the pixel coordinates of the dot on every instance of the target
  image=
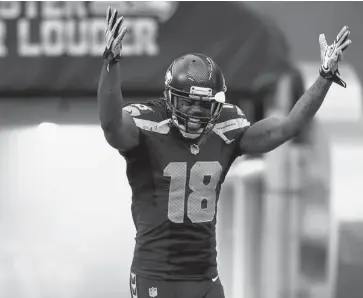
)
(194, 149)
(153, 292)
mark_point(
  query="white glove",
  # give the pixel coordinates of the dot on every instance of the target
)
(331, 55)
(113, 36)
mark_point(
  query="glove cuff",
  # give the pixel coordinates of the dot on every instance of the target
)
(335, 77)
(110, 57)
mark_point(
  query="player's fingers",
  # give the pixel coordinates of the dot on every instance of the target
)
(343, 38)
(323, 44)
(341, 33)
(108, 15)
(116, 28)
(123, 32)
(113, 18)
(336, 55)
(118, 25)
(341, 57)
(345, 45)
(121, 35)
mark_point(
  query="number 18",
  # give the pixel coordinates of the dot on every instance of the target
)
(201, 192)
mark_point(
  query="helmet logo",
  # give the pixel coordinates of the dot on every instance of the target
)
(168, 77)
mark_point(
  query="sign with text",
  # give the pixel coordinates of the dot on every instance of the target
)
(56, 47)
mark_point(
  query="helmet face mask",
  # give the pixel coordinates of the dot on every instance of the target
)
(197, 79)
(184, 120)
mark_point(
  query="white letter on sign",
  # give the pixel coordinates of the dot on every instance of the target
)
(52, 37)
(25, 46)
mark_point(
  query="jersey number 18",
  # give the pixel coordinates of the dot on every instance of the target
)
(201, 203)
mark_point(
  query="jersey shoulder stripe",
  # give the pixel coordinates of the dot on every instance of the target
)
(148, 118)
(231, 124)
(161, 127)
(143, 111)
(230, 111)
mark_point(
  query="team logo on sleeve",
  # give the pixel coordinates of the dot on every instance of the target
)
(136, 109)
(133, 111)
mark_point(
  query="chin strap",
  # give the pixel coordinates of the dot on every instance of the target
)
(182, 129)
(191, 136)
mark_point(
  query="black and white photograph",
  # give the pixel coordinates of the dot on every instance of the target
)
(181, 149)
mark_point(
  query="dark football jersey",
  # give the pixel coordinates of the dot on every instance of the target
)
(175, 192)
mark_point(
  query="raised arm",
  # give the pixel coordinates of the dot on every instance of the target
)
(268, 134)
(119, 128)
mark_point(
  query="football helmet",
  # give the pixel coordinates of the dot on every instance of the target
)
(196, 77)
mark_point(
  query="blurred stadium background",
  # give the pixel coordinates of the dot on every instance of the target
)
(289, 223)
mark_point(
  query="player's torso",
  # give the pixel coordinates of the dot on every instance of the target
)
(175, 192)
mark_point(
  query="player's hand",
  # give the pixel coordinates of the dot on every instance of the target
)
(114, 34)
(331, 55)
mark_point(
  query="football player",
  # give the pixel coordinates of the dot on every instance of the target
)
(178, 150)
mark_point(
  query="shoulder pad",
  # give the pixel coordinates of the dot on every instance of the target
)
(144, 111)
(231, 123)
(230, 111)
(148, 117)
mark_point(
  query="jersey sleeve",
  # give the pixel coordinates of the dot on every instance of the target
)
(141, 114)
(147, 118)
(140, 111)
